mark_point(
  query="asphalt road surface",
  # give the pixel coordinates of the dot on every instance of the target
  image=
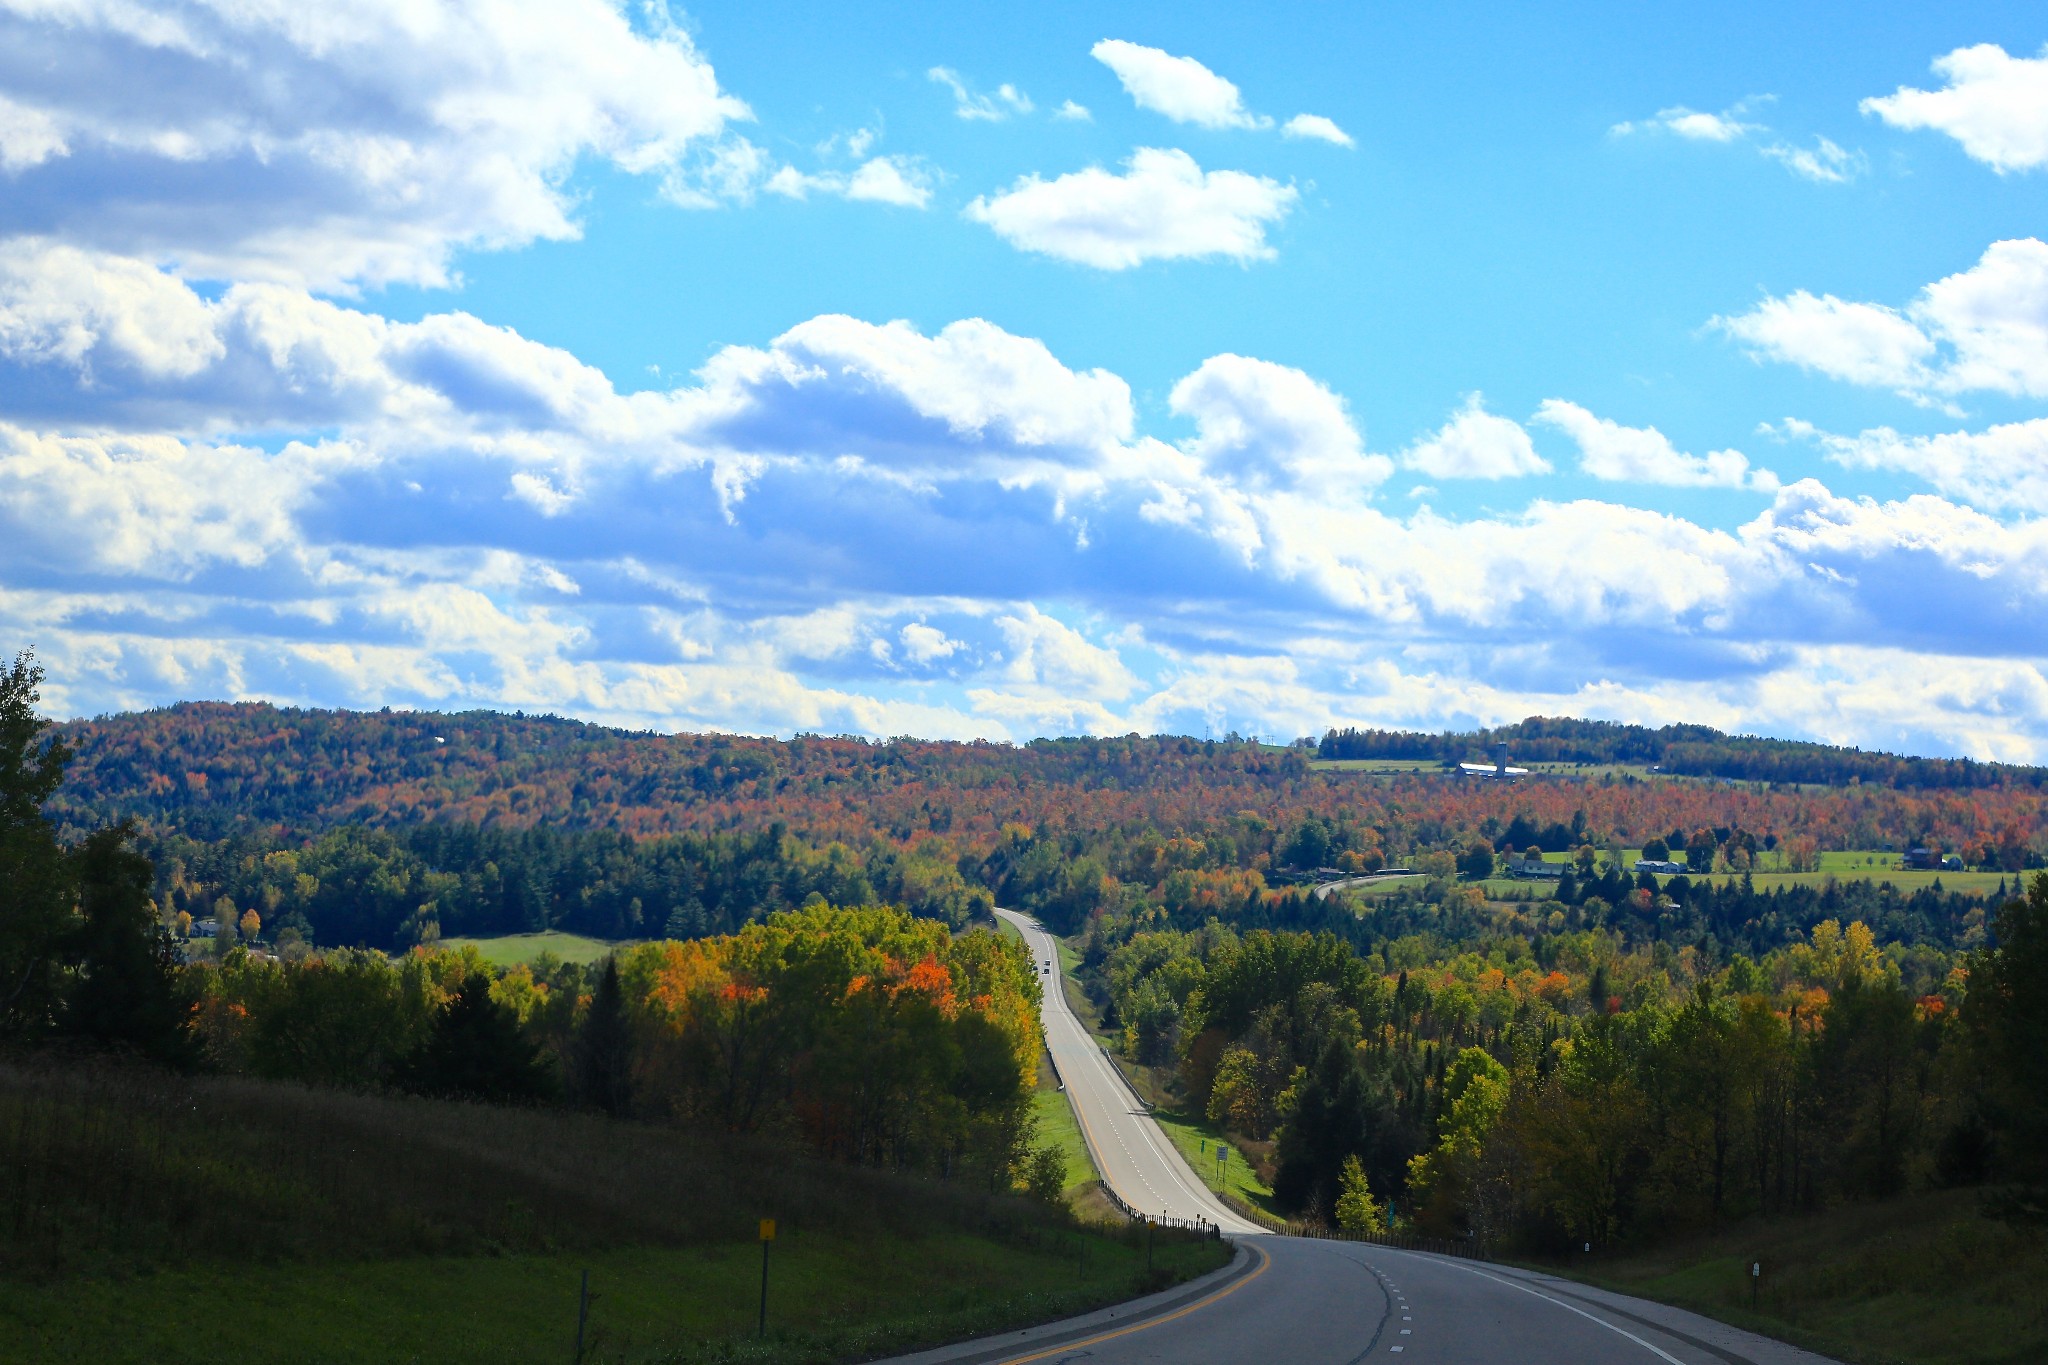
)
(1136, 1159)
(1289, 1299)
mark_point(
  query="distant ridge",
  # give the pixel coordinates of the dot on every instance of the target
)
(211, 768)
(1690, 750)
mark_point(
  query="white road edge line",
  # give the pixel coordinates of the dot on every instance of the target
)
(1655, 1350)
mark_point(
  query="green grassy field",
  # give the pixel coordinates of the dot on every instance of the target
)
(516, 948)
(1057, 1125)
(1427, 766)
(153, 1217)
(830, 1298)
(1846, 866)
(1922, 1280)
(1198, 1139)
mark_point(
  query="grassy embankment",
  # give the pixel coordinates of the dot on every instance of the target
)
(159, 1219)
(1924, 1280)
(1054, 1113)
(511, 949)
(1235, 1176)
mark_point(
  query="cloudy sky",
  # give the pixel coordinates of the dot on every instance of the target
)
(1040, 369)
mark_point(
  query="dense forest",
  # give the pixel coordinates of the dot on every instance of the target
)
(871, 1033)
(1596, 1055)
(390, 829)
(1557, 1088)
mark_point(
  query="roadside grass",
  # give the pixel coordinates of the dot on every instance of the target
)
(1198, 1140)
(1057, 1126)
(1922, 1280)
(511, 949)
(1053, 1112)
(1089, 1013)
(154, 1217)
(830, 1297)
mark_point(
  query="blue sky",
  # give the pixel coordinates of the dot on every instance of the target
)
(1045, 369)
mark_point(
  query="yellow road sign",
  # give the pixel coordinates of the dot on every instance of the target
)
(767, 1229)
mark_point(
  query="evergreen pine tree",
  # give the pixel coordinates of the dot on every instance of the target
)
(601, 1069)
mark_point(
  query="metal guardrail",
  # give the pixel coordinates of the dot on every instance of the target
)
(1160, 1220)
(1128, 1083)
(1464, 1248)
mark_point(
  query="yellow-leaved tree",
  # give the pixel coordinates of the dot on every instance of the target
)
(1357, 1210)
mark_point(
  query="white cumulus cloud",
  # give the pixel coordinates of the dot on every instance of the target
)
(1476, 444)
(1163, 207)
(28, 137)
(338, 146)
(1317, 127)
(904, 181)
(1994, 105)
(1179, 87)
(1985, 328)
(2003, 467)
(1268, 426)
(1609, 450)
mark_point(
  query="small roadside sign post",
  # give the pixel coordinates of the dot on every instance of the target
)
(1756, 1275)
(767, 1236)
(582, 1314)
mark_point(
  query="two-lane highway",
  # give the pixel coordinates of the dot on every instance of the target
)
(1135, 1158)
(1322, 1302)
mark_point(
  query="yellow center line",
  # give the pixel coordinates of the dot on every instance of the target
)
(1224, 1293)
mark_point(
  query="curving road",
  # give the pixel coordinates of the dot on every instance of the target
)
(1323, 1302)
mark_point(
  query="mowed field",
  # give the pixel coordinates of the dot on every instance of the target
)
(512, 949)
(1871, 865)
(1395, 766)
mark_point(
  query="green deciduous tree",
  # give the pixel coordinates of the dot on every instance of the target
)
(2007, 1013)
(1357, 1211)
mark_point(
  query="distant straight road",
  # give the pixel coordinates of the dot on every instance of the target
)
(1135, 1158)
(1324, 1302)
